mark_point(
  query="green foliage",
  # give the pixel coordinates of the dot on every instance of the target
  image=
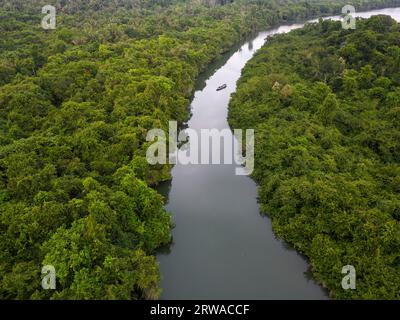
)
(324, 103)
(76, 104)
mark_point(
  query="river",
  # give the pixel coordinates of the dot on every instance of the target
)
(223, 248)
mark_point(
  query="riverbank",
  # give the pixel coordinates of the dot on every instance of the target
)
(322, 180)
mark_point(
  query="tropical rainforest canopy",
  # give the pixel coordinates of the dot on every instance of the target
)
(77, 102)
(325, 105)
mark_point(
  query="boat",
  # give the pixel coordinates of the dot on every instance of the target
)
(224, 86)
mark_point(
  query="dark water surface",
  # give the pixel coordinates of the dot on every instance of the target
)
(223, 248)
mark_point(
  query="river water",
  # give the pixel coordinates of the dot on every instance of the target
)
(223, 248)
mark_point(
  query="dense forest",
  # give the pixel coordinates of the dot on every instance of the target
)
(325, 104)
(76, 104)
